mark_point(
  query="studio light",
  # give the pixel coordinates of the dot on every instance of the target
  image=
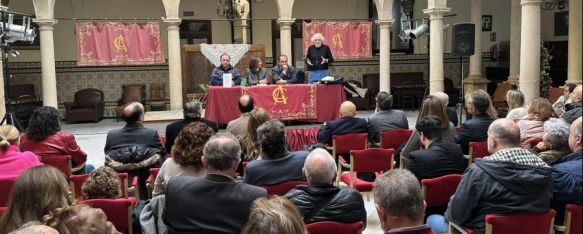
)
(419, 31)
(18, 32)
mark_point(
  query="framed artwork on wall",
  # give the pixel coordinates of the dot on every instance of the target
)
(561, 23)
(486, 23)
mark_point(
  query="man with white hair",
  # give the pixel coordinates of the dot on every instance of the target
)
(321, 200)
(318, 57)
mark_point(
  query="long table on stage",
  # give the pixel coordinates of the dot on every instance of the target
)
(317, 103)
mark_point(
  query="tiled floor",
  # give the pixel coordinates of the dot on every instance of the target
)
(91, 138)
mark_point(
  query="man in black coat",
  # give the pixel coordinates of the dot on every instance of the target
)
(438, 158)
(192, 112)
(215, 203)
(348, 123)
(476, 129)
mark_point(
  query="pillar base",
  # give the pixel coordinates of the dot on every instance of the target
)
(577, 82)
(513, 79)
(473, 83)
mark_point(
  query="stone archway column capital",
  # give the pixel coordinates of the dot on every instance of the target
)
(45, 24)
(286, 22)
(384, 22)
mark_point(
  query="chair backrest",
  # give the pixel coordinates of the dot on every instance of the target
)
(573, 219)
(157, 92)
(534, 223)
(5, 189)
(478, 150)
(63, 163)
(88, 97)
(533, 141)
(133, 93)
(282, 188)
(372, 160)
(342, 144)
(77, 182)
(394, 138)
(555, 94)
(437, 191)
(118, 211)
(326, 227)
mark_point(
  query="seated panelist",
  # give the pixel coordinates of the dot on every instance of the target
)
(256, 74)
(283, 73)
(225, 68)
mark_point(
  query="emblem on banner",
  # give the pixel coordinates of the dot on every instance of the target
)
(120, 43)
(279, 95)
(337, 40)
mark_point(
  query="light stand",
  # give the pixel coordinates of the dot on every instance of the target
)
(9, 117)
(460, 106)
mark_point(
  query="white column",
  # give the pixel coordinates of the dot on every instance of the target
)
(435, 10)
(2, 100)
(385, 56)
(574, 65)
(285, 41)
(47, 53)
(514, 42)
(476, 59)
(244, 32)
(174, 63)
(530, 34)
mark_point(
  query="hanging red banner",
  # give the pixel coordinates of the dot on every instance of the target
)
(347, 40)
(118, 43)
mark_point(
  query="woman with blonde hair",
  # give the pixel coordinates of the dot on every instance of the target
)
(256, 74)
(12, 161)
(516, 108)
(274, 215)
(250, 147)
(539, 111)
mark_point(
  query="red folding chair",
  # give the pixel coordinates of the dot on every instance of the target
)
(77, 182)
(118, 211)
(342, 144)
(394, 138)
(375, 160)
(5, 189)
(437, 191)
(152, 179)
(572, 223)
(477, 150)
(326, 227)
(282, 188)
(532, 142)
(63, 163)
(539, 223)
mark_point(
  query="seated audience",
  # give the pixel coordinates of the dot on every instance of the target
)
(399, 203)
(186, 156)
(255, 74)
(12, 161)
(555, 142)
(80, 219)
(36, 192)
(214, 203)
(559, 105)
(45, 138)
(274, 215)
(573, 109)
(225, 67)
(284, 73)
(511, 180)
(567, 174)
(476, 129)
(451, 113)
(430, 106)
(192, 113)
(238, 126)
(151, 216)
(438, 158)
(250, 146)
(34, 228)
(321, 200)
(385, 118)
(277, 164)
(539, 111)
(516, 108)
(491, 111)
(103, 183)
(348, 123)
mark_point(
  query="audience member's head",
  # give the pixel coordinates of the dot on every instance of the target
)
(44, 122)
(271, 139)
(192, 109)
(514, 98)
(35, 227)
(429, 128)
(189, 144)
(222, 154)
(246, 104)
(256, 118)
(79, 219)
(575, 137)
(398, 200)
(556, 134)
(540, 109)
(443, 97)
(319, 168)
(274, 215)
(36, 192)
(103, 183)
(225, 60)
(9, 135)
(577, 94)
(481, 102)
(384, 100)
(133, 113)
(568, 89)
(433, 106)
(347, 109)
(282, 60)
(503, 134)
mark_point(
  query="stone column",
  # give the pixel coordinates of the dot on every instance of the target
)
(174, 63)
(244, 32)
(385, 56)
(47, 53)
(435, 10)
(530, 35)
(2, 100)
(514, 42)
(574, 55)
(285, 41)
(475, 79)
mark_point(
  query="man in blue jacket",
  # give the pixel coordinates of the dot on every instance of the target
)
(225, 67)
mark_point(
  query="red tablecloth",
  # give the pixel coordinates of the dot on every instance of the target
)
(222, 102)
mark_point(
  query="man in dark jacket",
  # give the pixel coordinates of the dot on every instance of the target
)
(439, 158)
(573, 109)
(385, 117)
(322, 201)
(192, 112)
(476, 128)
(511, 180)
(567, 174)
(348, 123)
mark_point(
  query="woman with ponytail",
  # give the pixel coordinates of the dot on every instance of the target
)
(12, 161)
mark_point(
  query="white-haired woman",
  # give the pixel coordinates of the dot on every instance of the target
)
(318, 57)
(555, 142)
